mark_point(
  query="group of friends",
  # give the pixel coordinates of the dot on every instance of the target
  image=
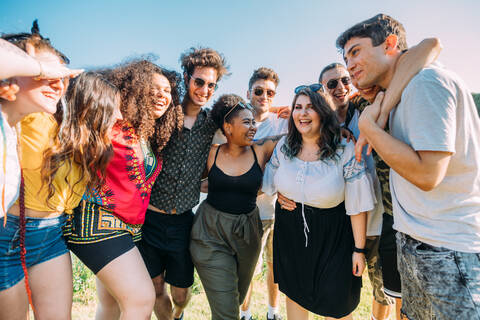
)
(108, 164)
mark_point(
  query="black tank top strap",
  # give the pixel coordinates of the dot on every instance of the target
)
(254, 154)
(234, 194)
(216, 154)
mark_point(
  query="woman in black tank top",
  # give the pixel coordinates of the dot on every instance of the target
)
(227, 231)
(234, 194)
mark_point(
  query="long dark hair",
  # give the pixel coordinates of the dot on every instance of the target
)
(329, 135)
(82, 135)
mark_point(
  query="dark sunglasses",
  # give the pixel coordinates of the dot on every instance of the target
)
(199, 83)
(332, 84)
(259, 92)
(314, 87)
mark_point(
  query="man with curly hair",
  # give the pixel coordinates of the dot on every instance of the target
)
(433, 151)
(166, 232)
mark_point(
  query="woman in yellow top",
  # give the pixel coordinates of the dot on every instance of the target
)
(31, 242)
(60, 160)
(34, 71)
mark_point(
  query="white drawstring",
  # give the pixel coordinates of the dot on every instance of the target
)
(301, 179)
(305, 226)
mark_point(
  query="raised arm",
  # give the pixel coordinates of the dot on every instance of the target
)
(14, 62)
(408, 65)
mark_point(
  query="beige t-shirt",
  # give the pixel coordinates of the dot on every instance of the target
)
(437, 113)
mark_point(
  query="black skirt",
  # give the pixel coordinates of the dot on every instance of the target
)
(318, 276)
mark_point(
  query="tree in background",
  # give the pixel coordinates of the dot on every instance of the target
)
(476, 97)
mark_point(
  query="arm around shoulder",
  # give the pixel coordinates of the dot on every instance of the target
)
(267, 145)
(408, 65)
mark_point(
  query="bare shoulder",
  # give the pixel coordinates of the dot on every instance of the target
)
(211, 155)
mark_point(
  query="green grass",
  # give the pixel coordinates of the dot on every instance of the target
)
(84, 297)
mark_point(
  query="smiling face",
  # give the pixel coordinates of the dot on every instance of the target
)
(40, 95)
(241, 129)
(367, 65)
(261, 95)
(200, 95)
(341, 92)
(162, 94)
(305, 118)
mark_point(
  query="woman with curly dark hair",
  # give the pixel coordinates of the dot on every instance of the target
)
(227, 231)
(318, 260)
(107, 223)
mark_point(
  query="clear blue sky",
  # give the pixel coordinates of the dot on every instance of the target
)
(294, 38)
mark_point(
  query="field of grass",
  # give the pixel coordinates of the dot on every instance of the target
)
(84, 298)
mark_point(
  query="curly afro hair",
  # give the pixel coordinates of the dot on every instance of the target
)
(134, 80)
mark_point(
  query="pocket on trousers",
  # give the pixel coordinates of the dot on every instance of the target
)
(426, 250)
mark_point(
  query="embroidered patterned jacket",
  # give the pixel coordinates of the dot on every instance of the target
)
(128, 184)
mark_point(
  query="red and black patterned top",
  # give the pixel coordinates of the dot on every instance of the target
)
(129, 180)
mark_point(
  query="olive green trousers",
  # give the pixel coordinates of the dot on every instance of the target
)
(225, 249)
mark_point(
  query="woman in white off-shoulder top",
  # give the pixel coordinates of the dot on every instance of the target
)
(318, 246)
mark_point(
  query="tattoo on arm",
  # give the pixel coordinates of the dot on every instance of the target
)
(261, 142)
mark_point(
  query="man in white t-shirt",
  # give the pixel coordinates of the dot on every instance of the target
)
(337, 83)
(434, 155)
(261, 91)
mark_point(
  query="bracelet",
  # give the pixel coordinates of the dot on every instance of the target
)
(358, 250)
(41, 74)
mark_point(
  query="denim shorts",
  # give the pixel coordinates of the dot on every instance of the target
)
(43, 241)
(438, 283)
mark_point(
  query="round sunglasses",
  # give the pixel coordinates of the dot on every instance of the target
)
(259, 92)
(199, 83)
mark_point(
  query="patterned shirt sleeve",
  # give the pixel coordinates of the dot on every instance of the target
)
(359, 193)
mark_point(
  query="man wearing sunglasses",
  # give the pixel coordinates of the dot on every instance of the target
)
(433, 151)
(168, 222)
(262, 87)
(336, 81)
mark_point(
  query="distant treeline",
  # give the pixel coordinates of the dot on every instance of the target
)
(476, 97)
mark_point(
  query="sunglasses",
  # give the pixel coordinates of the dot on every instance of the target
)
(259, 92)
(199, 83)
(314, 87)
(241, 104)
(332, 84)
